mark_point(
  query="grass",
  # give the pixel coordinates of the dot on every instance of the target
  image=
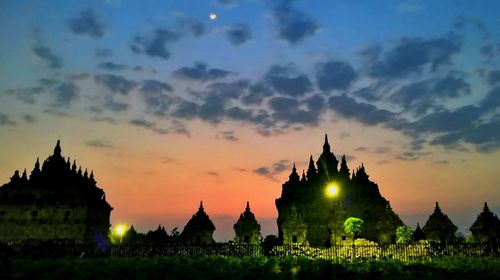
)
(260, 268)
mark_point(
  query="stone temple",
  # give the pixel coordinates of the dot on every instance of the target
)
(307, 214)
(57, 201)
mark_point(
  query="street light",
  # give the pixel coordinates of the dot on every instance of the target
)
(120, 231)
(332, 191)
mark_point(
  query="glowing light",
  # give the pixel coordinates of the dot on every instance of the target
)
(332, 190)
(120, 230)
(213, 16)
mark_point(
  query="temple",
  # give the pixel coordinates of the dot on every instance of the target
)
(486, 228)
(199, 229)
(247, 229)
(309, 213)
(57, 201)
(439, 227)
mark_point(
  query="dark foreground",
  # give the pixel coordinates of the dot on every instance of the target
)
(246, 268)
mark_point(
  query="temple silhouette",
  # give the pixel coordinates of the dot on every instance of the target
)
(57, 201)
(247, 229)
(308, 215)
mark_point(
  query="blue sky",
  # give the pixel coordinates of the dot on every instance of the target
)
(413, 83)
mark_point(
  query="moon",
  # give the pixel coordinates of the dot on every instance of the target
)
(213, 16)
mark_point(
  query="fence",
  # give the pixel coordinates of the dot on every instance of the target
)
(419, 251)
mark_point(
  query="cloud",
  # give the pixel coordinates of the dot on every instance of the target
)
(462, 22)
(6, 121)
(115, 106)
(363, 112)
(288, 111)
(114, 83)
(104, 119)
(271, 171)
(88, 23)
(27, 95)
(238, 34)
(285, 80)
(153, 95)
(155, 43)
(492, 100)
(293, 25)
(335, 75)
(200, 72)
(47, 56)
(488, 52)
(226, 2)
(370, 53)
(229, 135)
(422, 96)
(29, 118)
(186, 110)
(211, 173)
(148, 125)
(103, 53)
(111, 66)
(65, 94)
(412, 56)
(101, 144)
(492, 77)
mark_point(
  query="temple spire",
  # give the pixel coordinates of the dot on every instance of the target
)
(486, 208)
(201, 206)
(326, 146)
(294, 176)
(57, 149)
(311, 170)
(437, 208)
(248, 207)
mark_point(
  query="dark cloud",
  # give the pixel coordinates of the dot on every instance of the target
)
(375, 91)
(65, 93)
(371, 53)
(293, 25)
(111, 66)
(155, 43)
(104, 119)
(114, 83)
(285, 80)
(186, 110)
(256, 94)
(148, 125)
(211, 173)
(238, 34)
(27, 95)
(200, 72)
(47, 56)
(485, 136)
(488, 52)
(273, 170)
(5, 120)
(362, 112)
(492, 77)
(47, 82)
(88, 23)
(413, 56)
(335, 75)
(29, 118)
(288, 111)
(422, 96)
(492, 100)
(101, 144)
(153, 95)
(316, 103)
(229, 135)
(115, 106)
(58, 113)
(103, 53)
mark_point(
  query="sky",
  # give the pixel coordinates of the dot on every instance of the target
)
(169, 107)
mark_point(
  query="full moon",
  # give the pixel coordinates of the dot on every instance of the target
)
(213, 16)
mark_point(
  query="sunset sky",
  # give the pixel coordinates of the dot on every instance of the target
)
(169, 107)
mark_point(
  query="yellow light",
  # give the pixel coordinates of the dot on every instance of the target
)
(213, 16)
(120, 230)
(332, 190)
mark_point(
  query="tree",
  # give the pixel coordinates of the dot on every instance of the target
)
(404, 234)
(353, 226)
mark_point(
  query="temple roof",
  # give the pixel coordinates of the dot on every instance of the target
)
(199, 222)
(485, 221)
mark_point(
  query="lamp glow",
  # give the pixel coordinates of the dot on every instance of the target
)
(332, 190)
(120, 230)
